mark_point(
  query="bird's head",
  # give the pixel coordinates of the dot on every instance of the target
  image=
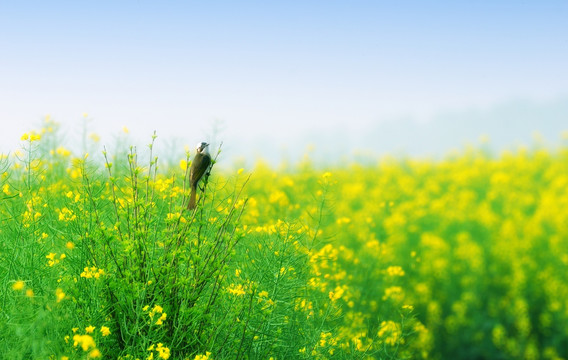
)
(202, 148)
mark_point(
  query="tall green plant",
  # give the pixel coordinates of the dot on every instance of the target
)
(161, 266)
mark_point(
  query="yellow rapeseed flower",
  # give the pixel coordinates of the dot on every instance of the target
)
(35, 136)
(203, 357)
(237, 290)
(62, 151)
(95, 353)
(92, 272)
(162, 318)
(337, 293)
(105, 331)
(395, 271)
(96, 138)
(163, 352)
(390, 331)
(18, 285)
(85, 341)
(59, 295)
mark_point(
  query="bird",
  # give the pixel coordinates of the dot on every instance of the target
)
(199, 166)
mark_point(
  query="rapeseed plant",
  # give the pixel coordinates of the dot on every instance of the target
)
(456, 258)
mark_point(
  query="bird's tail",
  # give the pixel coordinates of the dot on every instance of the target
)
(192, 198)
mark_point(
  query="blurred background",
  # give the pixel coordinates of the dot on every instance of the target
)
(275, 80)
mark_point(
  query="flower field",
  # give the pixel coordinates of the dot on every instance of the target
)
(460, 258)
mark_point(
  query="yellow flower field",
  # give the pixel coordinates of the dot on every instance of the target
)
(459, 258)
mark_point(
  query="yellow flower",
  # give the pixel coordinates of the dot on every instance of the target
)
(96, 138)
(390, 330)
(236, 290)
(183, 164)
(163, 352)
(162, 318)
(59, 294)
(24, 137)
(105, 331)
(18, 285)
(70, 245)
(95, 353)
(89, 329)
(62, 151)
(337, 293)
(85, 341)
(29, 293)
(394, 292)
(92, 272)
(202, 357)
(156, 309)
(395, 271)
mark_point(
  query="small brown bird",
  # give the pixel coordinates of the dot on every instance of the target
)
(199, 166)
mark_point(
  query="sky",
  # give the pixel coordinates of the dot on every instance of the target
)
(278, 78)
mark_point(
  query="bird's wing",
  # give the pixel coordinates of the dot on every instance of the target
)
(199, 166)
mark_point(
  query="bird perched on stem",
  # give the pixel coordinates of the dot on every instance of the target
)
(199, 167)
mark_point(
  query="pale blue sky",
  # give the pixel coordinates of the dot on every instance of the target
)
(284, 75)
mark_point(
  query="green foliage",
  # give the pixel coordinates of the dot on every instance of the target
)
(104, 259)
(405, 259)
